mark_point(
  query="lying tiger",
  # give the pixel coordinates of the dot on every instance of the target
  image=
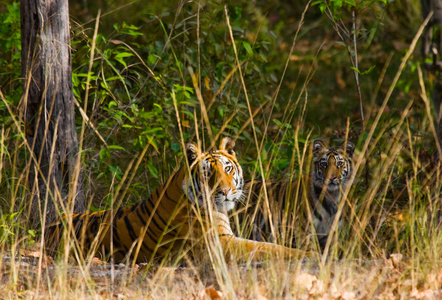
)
(178, 216)
(297, 206)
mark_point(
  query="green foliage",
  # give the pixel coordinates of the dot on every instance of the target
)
(337, 7)
(10, 46)
(130, 91)
(12, 230)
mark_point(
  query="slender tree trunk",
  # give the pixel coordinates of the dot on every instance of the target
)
(49, 109)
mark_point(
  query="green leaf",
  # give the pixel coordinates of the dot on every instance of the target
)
(188, 113)
(152, 170)
(116, 171)
(130, 26)
(350, 3)
(112, 78)
(369, 70)
(131, 32)
(152, 59)
(104, 153)
(277, 123)
(119, 57)
(248, 48)
(153, 142)
(365, 72)
(112, 104)
(317, 2)
(75, 80)
(175, 147)
(115, 147)
(283, 163)
(159, 106)
(354, 69)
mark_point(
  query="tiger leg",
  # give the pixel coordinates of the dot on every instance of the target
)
(240, 248)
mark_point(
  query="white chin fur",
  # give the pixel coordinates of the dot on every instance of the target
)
(333, 187)
(330, 186)
(225, 205)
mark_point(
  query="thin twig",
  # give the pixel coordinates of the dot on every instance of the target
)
(341, 31)
(356, 68)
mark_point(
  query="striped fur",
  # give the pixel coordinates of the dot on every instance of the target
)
(295, 205)
(174, 218)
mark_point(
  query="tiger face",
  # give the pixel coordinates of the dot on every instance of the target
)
(332, 167)
(215, 175)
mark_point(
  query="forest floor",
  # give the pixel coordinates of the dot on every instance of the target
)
(30, 276)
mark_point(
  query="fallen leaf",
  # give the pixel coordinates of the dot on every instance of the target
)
(260, 297)
(97, 262)
(318, 288)
(396, 262)
(348, 295)
(426, 294)
(305, 281)
(210, 293)
(333, 291)
(396, 258)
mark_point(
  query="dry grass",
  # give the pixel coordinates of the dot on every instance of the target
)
(388, 248)
(393, 278)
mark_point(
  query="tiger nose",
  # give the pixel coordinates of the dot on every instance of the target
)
(332, 178)
(225, 191)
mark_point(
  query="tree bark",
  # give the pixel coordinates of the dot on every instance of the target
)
(54, 177)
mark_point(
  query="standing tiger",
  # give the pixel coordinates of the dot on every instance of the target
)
(299, 206)
(184, 213)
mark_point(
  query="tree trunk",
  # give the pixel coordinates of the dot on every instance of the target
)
(54, 176)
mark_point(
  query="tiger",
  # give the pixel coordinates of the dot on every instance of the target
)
(295, 207)
(187, 212)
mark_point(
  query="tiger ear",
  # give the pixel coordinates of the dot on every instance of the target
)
(192, 152)
(227, 144)
(350, 148)
(318, 145)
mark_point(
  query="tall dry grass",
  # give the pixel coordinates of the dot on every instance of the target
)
(396, 210)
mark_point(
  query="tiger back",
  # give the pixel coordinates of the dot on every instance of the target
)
(303, 209)
(181, 215)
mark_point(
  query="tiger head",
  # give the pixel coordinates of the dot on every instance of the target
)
(215, 175)
(332, 167)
